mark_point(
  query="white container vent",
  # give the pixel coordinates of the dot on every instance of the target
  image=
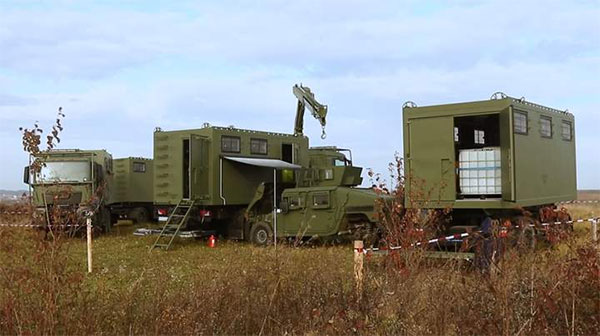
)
(479, 171)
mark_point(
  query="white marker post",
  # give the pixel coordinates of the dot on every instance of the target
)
(275, 207)
(89, 243)
(595, 230)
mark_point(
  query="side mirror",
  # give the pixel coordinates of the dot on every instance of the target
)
(284, 205)
(26, 175)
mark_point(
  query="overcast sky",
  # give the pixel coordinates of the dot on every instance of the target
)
(121, 68)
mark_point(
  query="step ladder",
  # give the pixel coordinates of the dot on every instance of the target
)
(176, 220)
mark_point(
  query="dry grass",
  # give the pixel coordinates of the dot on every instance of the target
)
(240, 289)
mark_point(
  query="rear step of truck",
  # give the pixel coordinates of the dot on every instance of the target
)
(175, 222)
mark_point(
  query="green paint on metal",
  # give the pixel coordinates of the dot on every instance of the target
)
(535, 169)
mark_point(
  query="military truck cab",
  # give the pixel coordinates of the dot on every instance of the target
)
(72, 178)
(330, 166)
(329, 212)
(91, 179)
(325, 205)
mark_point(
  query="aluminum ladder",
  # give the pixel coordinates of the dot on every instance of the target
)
(176, 220)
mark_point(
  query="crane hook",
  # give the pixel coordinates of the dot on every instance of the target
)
(323, 134)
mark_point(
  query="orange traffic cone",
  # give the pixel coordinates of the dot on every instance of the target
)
(212, 241)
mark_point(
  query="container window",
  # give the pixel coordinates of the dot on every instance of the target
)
(139, 167)
(230, 144)
(321, 200)
(567, 130)
(546, 126)
(258, 146)
(479, 137)
(520, 122)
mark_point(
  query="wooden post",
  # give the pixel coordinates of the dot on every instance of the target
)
(89, 243)
(595, 230)
(358, 266)
(275, 208)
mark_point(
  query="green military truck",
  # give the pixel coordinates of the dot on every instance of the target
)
(327, 203)
(78, 179)
(488, 159)
(222, 179)
(232, 180)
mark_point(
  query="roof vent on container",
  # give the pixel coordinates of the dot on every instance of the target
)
(498, 95)
(409, 104)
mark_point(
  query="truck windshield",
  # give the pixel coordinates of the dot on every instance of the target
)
(68, 171)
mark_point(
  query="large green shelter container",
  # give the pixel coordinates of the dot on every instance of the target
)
(221, 166)
(502, 153)
(133, 180)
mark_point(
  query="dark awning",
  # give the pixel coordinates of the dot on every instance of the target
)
(268, 163)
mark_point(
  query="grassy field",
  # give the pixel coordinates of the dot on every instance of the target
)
(237, 288)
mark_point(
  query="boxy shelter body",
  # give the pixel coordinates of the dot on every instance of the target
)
(133, 181)
(497, 154)
(132, 192)
(221, 166)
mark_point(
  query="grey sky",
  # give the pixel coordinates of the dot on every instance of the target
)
(121, 68)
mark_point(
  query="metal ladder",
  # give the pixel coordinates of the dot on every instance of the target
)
(176, 220)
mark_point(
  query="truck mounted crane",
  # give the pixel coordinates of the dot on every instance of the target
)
(306, 98)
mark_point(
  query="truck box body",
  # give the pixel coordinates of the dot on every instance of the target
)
(196, 164)
(496, 154)
(133, 180)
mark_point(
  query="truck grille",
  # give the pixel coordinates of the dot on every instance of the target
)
(63, 198)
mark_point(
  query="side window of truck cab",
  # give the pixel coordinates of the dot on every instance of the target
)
(320, 200)
(295, 201)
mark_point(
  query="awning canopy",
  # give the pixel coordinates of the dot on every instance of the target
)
(268, 163)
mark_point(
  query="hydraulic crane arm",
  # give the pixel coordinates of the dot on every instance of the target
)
(307, 99)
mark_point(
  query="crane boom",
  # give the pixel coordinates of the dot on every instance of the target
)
(307, 99)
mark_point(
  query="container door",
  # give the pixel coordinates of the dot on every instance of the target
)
(198, 167)
(431, 159)
(506, 152)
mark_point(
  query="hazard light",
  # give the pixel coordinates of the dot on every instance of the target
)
(162, 212)
(205, 213)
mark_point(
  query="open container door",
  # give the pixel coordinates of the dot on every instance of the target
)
(430, 159)
(198, 178)
(506, 152)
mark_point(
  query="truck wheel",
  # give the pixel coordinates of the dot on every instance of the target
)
(261, 234)
(139, 215)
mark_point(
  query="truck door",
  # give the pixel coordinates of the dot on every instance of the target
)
(320, 216)
(290, 222)
(431, 159)
(198, 175)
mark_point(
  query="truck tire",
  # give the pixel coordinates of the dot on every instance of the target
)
(139, 215)
(261, 234)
